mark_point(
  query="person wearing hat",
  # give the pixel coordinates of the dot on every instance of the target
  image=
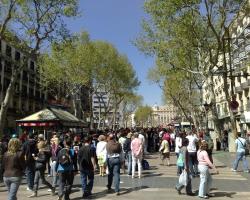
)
(127, 150)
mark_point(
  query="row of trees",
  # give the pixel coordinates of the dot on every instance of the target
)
(73, 61)
(97, 65)
(191, 43)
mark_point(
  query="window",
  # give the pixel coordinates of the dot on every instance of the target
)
(32, 66)
(8, 51)
(17, 56)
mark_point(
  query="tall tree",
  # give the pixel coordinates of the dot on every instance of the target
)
(143, 115)
(69, 66)
(129, 106)
(34, 22)
(197, 27)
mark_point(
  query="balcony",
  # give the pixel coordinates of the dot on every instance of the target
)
(247, 32)
(245, 85)
(238, 89)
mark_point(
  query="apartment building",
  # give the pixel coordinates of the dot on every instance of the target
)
(239, 64)
(29, 96)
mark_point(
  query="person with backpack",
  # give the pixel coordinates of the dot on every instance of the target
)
(30, 148)
(183, 163)
(240, 154)
(40, 166)
(66, 167)
(87, 165)
(114, 155)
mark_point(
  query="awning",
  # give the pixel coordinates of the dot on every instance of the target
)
(51, 117)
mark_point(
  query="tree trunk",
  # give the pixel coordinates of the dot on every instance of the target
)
(5, 103)
(233, 134)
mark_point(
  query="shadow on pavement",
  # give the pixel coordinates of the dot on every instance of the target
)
(223, 194)
(103, 193)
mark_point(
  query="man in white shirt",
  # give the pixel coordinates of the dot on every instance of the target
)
(192, 153)
(240, 154)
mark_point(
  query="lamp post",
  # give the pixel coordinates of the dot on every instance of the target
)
(206, 109)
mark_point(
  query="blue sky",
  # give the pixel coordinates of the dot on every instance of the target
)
(118, 22)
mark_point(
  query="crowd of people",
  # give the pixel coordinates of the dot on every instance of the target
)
(65, 155)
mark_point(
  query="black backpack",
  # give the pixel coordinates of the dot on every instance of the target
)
(64, 157)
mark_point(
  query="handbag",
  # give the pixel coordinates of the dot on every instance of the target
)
(183, 178)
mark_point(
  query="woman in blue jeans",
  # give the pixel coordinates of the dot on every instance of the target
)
(205, 176)
(184, 166)
(13, 166)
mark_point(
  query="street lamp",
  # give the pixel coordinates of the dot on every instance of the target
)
(207, 107)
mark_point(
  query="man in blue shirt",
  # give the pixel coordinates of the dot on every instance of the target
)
(240, 154)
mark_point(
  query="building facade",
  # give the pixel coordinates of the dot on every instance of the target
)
(238, 61)
(163, 115)
(28, 96)
(102, 105)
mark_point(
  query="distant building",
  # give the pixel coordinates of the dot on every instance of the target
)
(163, 115)
(100, 102)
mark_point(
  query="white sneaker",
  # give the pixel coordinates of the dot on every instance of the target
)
(233, 170)
(28, 189)
(49, 190)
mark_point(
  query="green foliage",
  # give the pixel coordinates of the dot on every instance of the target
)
(69, 63)
(143, 114)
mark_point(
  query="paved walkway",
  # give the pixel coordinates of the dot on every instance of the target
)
(158, 182)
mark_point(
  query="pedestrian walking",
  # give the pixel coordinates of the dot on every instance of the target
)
(165, 152)
(241, 145)
(30, 148)
(13, 166)
(203, 166)
(66, 167)
(192, 153)
(183, 163)
(54, 149)
(114, 151)
(101, 154)
(137, 154)
(178, 144)
(87, 165)
(128, 153)
(40, 166)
